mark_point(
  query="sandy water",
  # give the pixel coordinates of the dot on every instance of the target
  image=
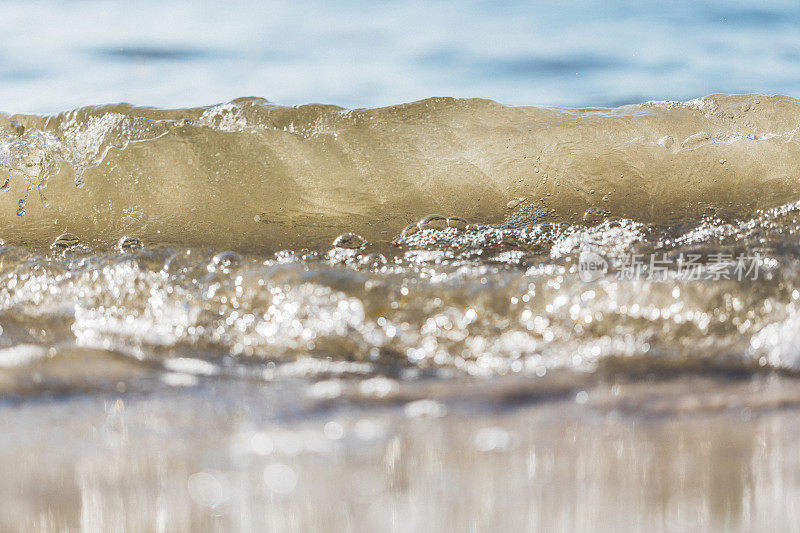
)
(444, 315)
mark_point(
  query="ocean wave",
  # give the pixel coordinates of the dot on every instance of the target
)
(249, 175)
(443, 238)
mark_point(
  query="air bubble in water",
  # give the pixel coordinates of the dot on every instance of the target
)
(409, 230)
(224, 262)
(80, 181)
(696, 141)
(42, 197)
(65, 241)
(350, 241)
(433, 222)
(510, 239)
(666, 142)
(457, 223)
(129, 244)
(373, 260)
(594, 215)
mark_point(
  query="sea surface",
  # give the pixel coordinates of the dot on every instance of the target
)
(523, 268)
(56, 56)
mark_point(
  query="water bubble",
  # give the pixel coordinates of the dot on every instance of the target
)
(79, 180)
(21, 208)
(433, 222)
(594, 215)
(696, 141)
(509, 239)
(65, 241)
(43, 198)
(666, 142)
(351, 241)
(409, 230)
(457, 223)
(129, 244)
(373, 260)
(224, 262)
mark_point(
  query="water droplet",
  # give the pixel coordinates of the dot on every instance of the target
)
(594, 215)
(129, 244)
(5, 186)
(224, 262)
(65, 241)
(21, 208)
(350, 241)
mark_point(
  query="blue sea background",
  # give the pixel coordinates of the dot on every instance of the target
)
(57, 55)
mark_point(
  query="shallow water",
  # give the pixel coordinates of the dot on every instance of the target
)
(249, 315)
(249, 233)
(706, 454)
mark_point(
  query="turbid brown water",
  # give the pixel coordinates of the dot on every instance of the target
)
(250, 316)
(256, 176)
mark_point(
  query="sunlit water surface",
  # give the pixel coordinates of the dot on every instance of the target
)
(246, 316)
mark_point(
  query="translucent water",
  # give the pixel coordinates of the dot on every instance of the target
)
(449, 314)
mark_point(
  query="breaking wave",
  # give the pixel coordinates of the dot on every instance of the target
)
(249, 175)
(440, 238)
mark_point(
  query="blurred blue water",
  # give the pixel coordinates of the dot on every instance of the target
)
(56, 55)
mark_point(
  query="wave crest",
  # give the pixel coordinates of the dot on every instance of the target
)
(252, 175)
